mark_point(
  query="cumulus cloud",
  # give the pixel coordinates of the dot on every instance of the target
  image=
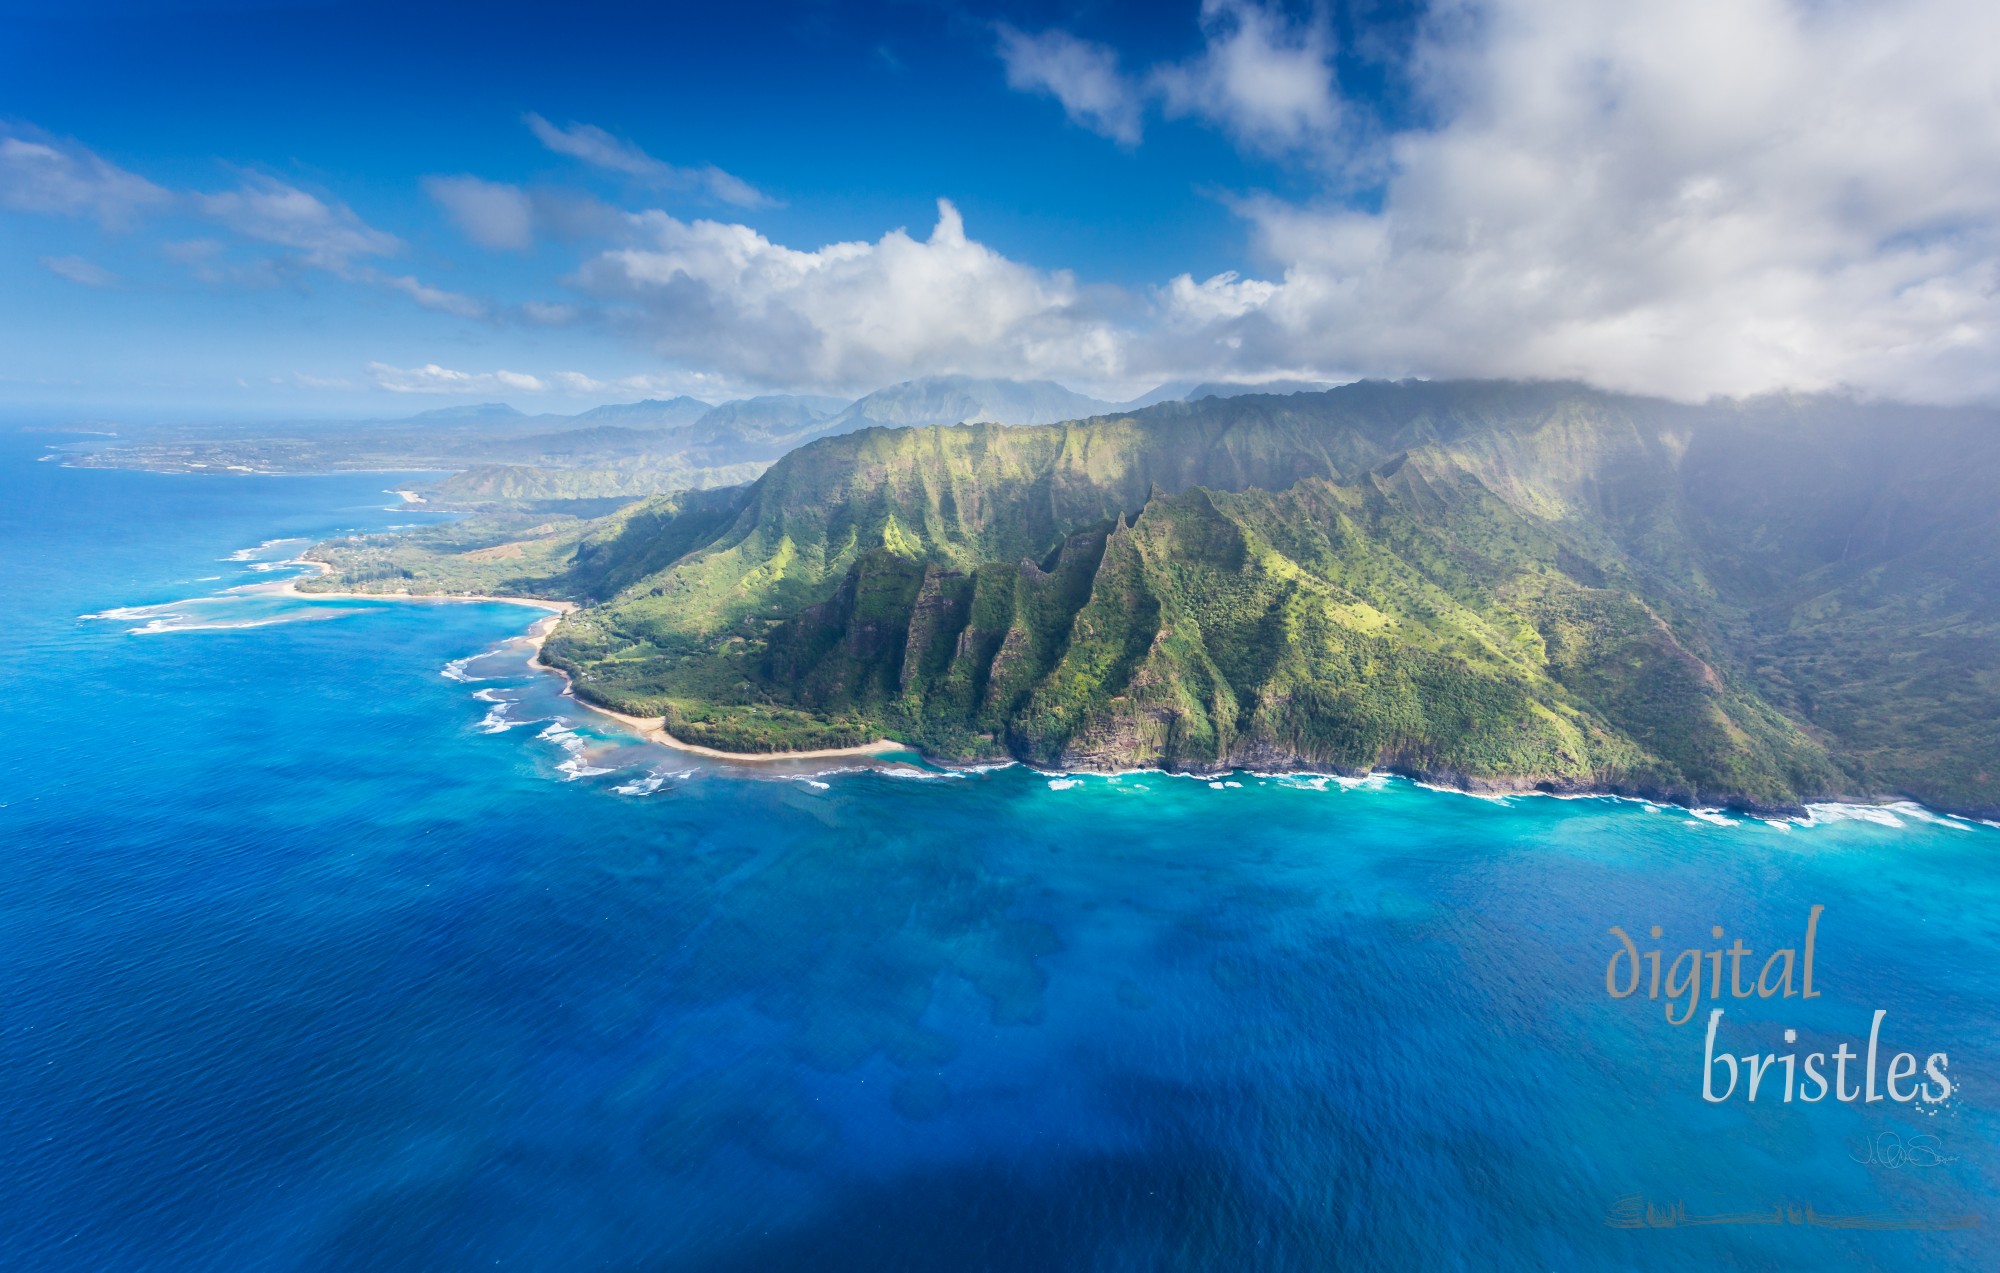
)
(1718, 196)
(1725, 196)
(1265, 79)
(65, 179)
(1081, 75)
(592, 145)
(850, 314)
(431, 378)
(1722, 196)
(490, 213)
(77, 270)
(1262, 77)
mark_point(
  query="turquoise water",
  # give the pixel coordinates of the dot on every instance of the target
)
(344, 941)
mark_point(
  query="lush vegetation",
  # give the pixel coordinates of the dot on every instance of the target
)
(566, 549)
(1490, 584)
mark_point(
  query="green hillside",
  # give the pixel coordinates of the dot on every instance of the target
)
(1490, 584)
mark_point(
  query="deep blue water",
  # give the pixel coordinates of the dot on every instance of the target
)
(313, 959)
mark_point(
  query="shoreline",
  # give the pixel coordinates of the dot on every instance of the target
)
(652, 729)
(649, 729)
(322, 570)
(224, 470)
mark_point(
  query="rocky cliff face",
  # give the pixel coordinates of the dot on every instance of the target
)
(1510, 586)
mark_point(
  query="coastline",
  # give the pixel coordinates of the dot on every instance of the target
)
(653, 728)
(220, 470)
(538, 603)
(291, 589)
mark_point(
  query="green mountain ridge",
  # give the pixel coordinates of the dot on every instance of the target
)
(1493, 585)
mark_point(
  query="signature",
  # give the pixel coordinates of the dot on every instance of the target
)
(1887, 1149)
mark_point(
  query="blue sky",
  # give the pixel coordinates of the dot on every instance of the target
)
(348, 209)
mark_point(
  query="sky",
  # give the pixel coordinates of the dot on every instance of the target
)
(261, 206)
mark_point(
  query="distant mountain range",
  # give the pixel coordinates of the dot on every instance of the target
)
(478, 411)
(499, 454)
(653, 413)
(967, 400)
(1195, 391)
(924, 401)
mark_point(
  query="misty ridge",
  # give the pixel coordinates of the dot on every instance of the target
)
(625, 449)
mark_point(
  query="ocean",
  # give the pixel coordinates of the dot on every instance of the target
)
(334, 937)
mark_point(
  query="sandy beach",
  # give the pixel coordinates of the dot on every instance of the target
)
(539, 603)
(653, 728)
(291, 588)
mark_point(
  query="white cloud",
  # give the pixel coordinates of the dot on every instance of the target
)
(303, 380)
(1081, 75)
(1721, 196)
(78, 270)
(207, 260)
(548, 313)
(431, 378)
(67, 180)
(1714, 196)
(850, 314)
(1265, 79)
(64, 179)
(431, 297)
(327, 235)
(1261, 77)
(1225, 296)
(592, 145)
(490, 213)
(636, 386)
